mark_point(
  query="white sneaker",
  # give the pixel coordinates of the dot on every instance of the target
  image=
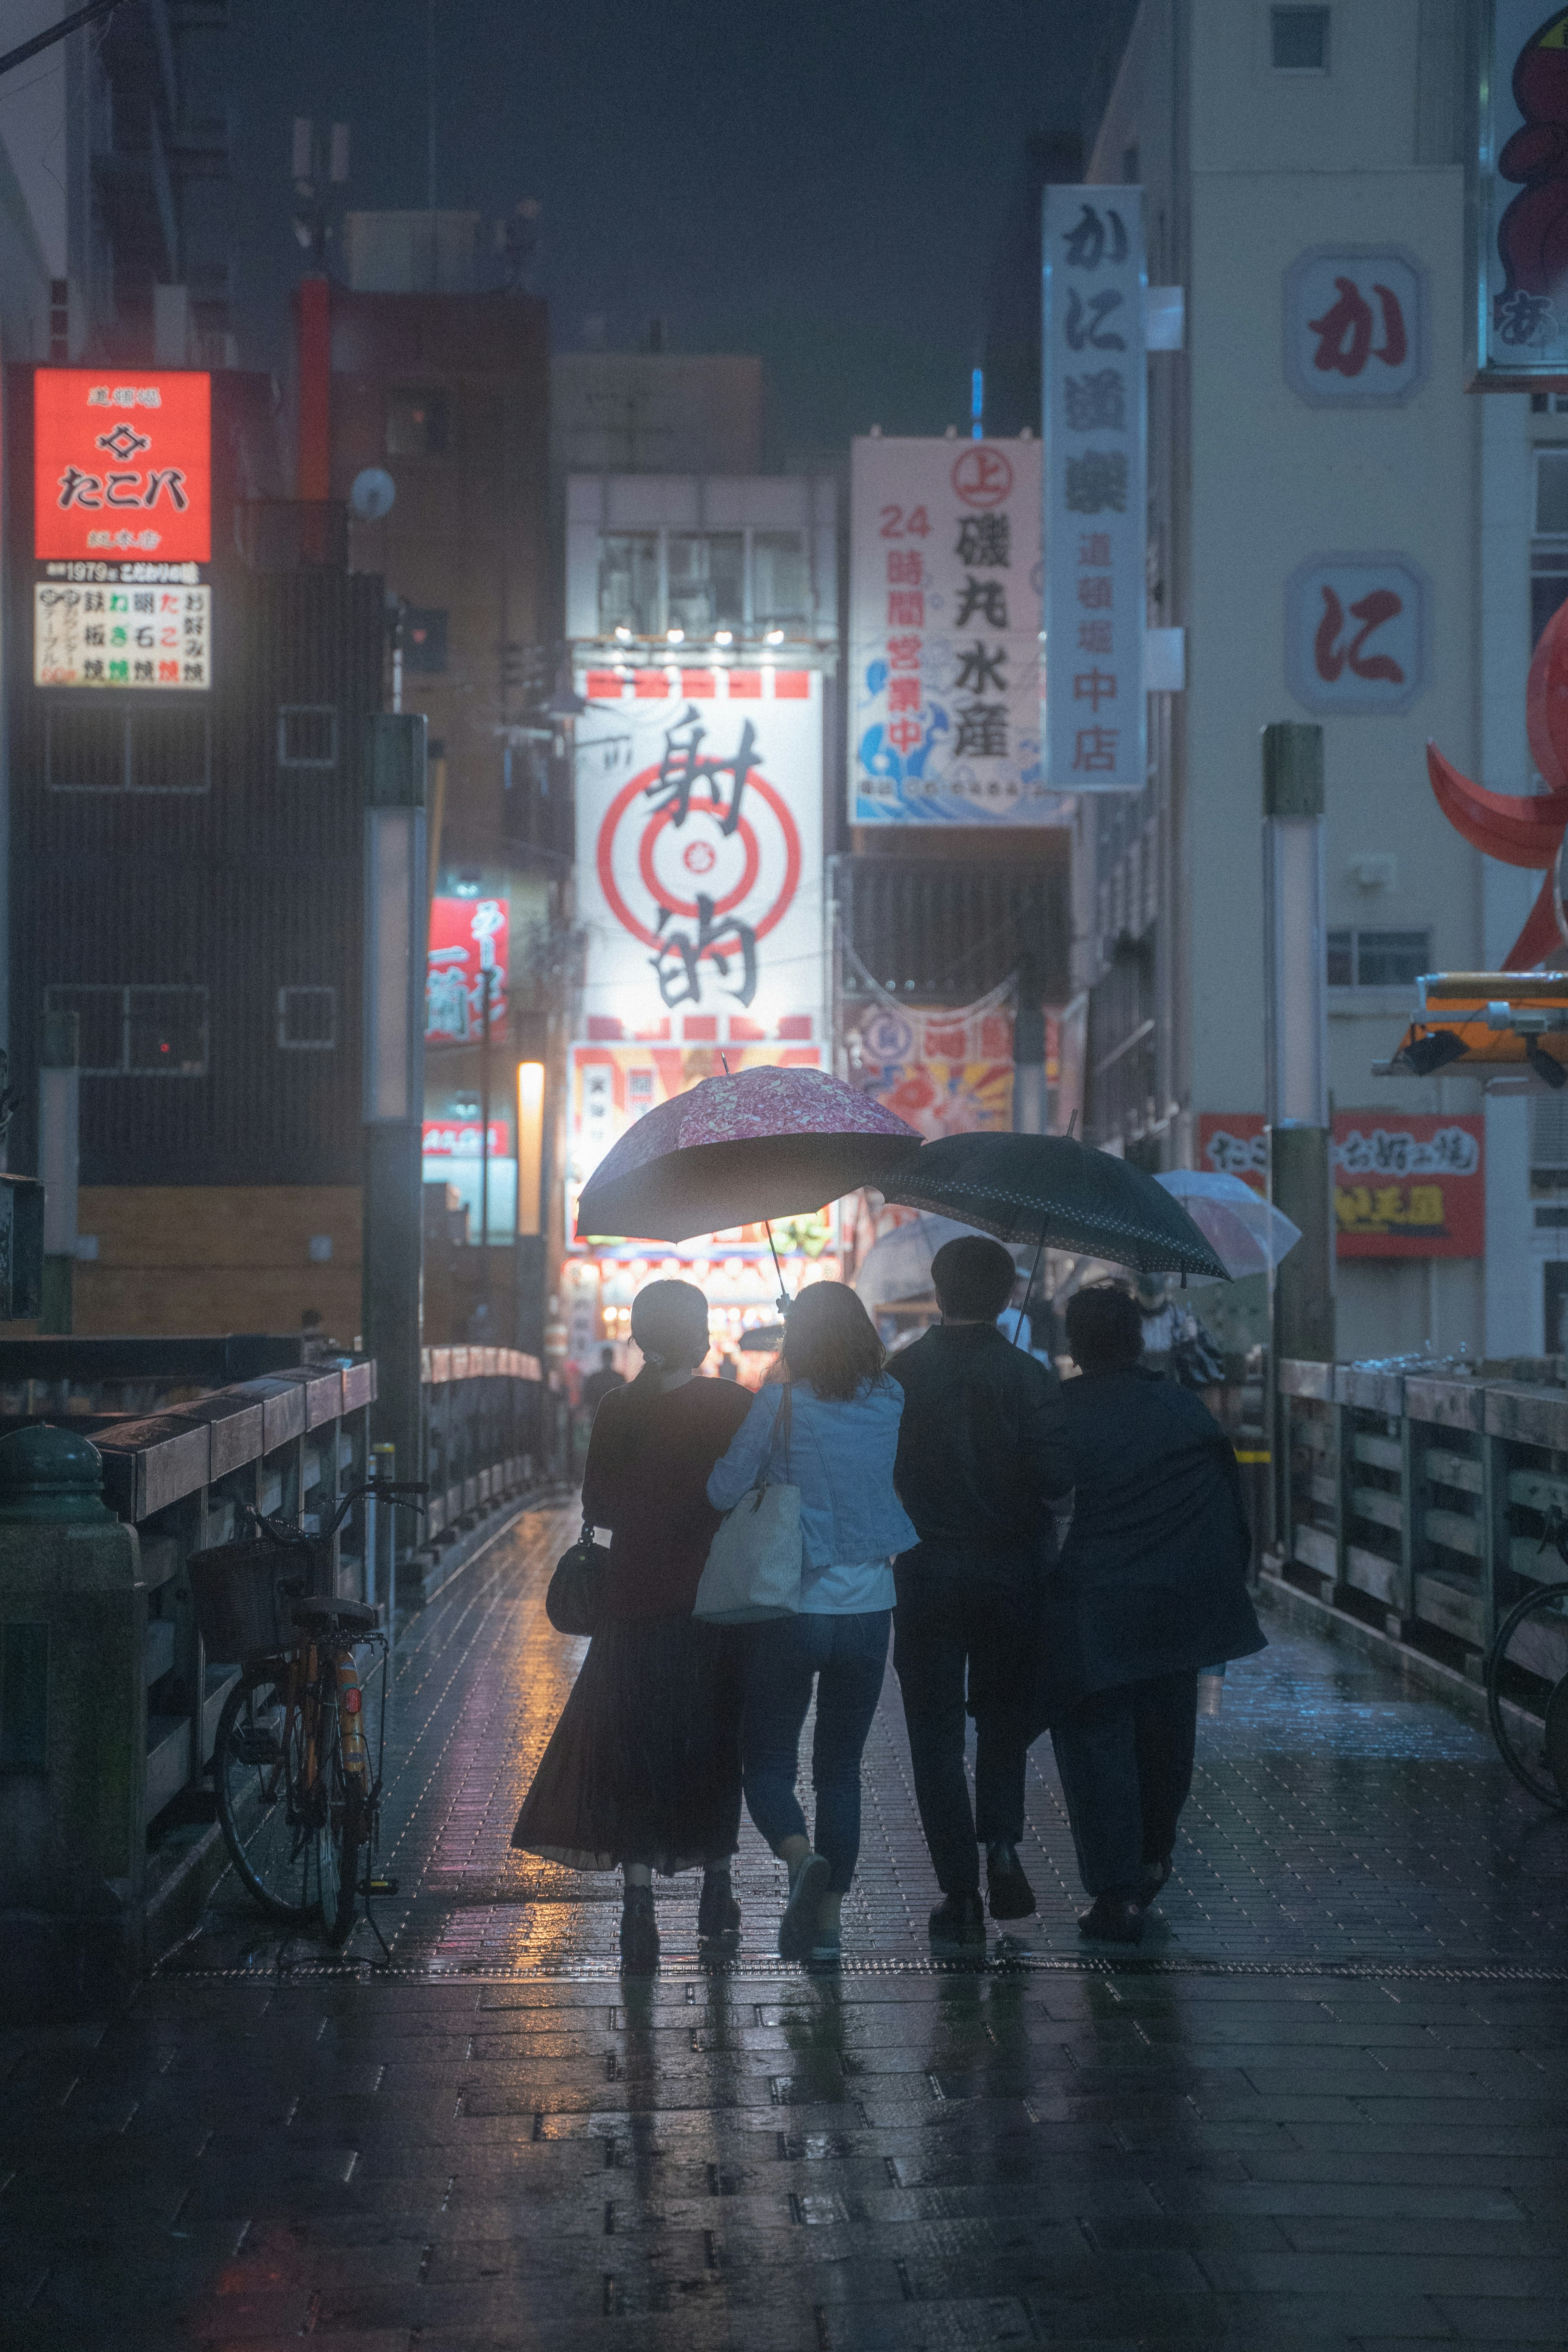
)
(797, 1928)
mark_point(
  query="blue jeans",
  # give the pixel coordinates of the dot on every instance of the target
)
(848, 1655)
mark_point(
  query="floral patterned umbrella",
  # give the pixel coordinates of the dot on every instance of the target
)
(737, 1150)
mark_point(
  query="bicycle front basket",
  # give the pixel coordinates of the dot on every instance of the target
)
(242, 1593)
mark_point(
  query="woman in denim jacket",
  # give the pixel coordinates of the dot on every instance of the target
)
(845, 1434)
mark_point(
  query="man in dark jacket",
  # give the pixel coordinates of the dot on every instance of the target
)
(1150, 1588)
(981, 1456)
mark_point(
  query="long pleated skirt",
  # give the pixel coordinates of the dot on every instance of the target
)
(645, 1763)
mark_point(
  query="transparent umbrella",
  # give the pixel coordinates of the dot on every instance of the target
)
(1247, 1234)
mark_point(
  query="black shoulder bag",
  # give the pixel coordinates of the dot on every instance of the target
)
(575, 1602)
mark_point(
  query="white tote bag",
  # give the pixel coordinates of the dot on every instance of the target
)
(754, 1561)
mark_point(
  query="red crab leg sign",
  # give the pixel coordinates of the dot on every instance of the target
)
(1516, 830)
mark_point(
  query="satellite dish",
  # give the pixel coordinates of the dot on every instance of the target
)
(372, 494)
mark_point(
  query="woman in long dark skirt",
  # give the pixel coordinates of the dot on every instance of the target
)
(644, 1768)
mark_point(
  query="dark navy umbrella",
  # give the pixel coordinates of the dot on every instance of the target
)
(1058, 1193)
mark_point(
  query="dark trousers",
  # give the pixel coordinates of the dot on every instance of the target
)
(952, 1627)
(847, 1657)
(1125, 1757)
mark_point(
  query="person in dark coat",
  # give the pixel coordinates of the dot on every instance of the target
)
(1150, 1588)
(982, 1453)
(643, 1769)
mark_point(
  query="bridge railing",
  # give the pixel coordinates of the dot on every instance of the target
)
(1417, 1501)
(289, 1441)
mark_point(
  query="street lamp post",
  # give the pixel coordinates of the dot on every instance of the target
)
(396, 911)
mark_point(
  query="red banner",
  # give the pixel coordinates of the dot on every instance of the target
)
(122, 463)
(1406, 1183)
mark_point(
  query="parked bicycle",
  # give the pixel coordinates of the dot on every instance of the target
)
(1527, 1682)
(299, 1798)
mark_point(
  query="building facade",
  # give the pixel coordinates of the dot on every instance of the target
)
(438, 400)
(703, 616)
(1345, 535)
(186, 869)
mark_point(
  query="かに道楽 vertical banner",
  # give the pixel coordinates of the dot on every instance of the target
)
(1095, 387)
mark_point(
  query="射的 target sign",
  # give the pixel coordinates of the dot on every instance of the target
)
(699, 853)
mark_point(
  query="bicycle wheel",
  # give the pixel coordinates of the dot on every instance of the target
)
(340, 1834)
(257, 1784)
(1526, 1694)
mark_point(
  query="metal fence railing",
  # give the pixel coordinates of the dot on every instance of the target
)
(1417, 1502)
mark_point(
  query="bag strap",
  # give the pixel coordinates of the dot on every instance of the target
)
(783, 1420)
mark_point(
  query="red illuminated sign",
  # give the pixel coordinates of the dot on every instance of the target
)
(1406, 1183)
(121, 465)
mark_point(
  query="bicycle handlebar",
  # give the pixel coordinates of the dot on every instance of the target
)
(401, 1493)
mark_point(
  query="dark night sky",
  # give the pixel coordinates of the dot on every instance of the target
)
(824, 185)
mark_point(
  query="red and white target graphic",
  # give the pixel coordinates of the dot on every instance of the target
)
(649, 857)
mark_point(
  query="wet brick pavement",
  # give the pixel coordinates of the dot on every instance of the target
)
(1326, 2108)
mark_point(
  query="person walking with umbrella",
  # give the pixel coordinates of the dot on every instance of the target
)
(1150, 1589)
(643, 1769)
(982, 1455)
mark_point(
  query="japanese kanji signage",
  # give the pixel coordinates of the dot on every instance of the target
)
(1409, 1184)
(1406, 1183)
(1355, 326)
(1518, 218)
(1355, 634)
(944, 658)
(122, 529)
(1095, 392)
(699, 853)
(468, 939)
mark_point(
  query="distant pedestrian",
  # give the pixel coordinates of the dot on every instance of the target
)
(1150, 1588)
(981, 1457)
(643, 1770)
(844, 1433)
(602, 1384)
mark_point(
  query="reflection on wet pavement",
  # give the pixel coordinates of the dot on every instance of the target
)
(1329, 2119)
(1336, 1816)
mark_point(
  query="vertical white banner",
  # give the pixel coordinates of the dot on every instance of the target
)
(943, 696)
(1095, 385)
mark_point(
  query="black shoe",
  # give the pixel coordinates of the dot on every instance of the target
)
(718, 1913)
(1113, 1920)
(639, 1932)
(1151, 1878)
(961, 1919)
(1012, 1896)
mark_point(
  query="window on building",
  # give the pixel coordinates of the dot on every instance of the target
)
(308, 1019)
(1300, 39)
(307, 735)
(137, 1031)
(1548, 1147)
(781, 579)
(707, 579)
(416, 425)
(1549, 548)
(628, 583)
(424, 640)
(1359, 959)
(97, 749)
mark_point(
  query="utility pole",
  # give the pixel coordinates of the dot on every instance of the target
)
(1028, 1051)
(1296, 1036)
(396, 929)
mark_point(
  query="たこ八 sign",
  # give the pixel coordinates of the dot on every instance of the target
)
(122, 529)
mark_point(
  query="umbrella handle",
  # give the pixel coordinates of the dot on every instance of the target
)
(783, 1294)
(1018, 1327)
